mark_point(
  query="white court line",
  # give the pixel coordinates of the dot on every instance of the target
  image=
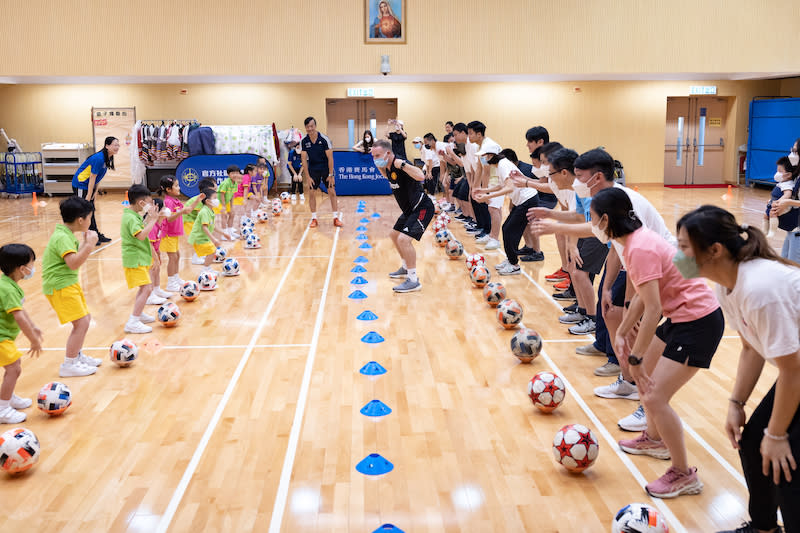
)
(302, 397)
(710, 449)
(180, 490)
(240, 257)
(115, 241)
(196, 347)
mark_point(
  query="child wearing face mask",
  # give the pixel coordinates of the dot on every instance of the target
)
(137, 257)
(785, 175)
(202, 236)
(157, 234)
(61, 262)
(16, 262)
(295, 167)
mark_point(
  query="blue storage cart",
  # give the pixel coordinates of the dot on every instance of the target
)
(774, 126)
(23, 173)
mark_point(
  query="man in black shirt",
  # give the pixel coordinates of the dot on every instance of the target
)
(398, 137)
(406, 182)
(317, 157)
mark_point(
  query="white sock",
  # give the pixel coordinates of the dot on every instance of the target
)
(313, 216)
(4, 404)
(404, 264)
(133, 318)
(412, 274)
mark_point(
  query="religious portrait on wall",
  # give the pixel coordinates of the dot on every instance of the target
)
(385, 21)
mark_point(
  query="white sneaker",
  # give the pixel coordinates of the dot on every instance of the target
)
(20, 403)
(618, 389)
(174, 286)
(637, 421)
(294, 197)
(146, 319)
(137, 327)
(158, 291)
(502, 265)
(91, 361)
(483, 239)
(492, 244)
(302, 198)
(76, 368)
(155, 300)
(509, 270)
(9, 415)
(197, 260)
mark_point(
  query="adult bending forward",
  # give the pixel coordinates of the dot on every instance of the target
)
(87, 178)
(760, 296)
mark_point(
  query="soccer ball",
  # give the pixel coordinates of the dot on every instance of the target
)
(262, 216)
(207, 280)
(454, 249)
(54, 398)
(439, 226)
(123, 352)
(494, 293)
(220, 254)
(509, 313)
(526, 345)
(285, 197)
(436, 209)
(168, 314)
(252, 241)
(444, 217)
(546, 390)
(246, 232)
(575, 447)
(639, 518)
(19, 450)
(230, 267)
(442, 237)
(473, 260)
(190, 291)
(276, 209)
(479, 276)
(247, 222)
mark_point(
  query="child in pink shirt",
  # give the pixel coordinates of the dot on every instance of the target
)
(170, 188)
(155, 236)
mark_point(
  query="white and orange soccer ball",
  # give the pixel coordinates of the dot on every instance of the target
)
(575, 447)
(526, 345)
(168, 314)
(54, 398)
(454, 249)
(190, 290)
(479, 276)
(123, 352)
(494, 293)
(639, 518)
(509, 313)
(19, 450)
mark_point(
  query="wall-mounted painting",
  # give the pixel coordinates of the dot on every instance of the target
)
(385, 21)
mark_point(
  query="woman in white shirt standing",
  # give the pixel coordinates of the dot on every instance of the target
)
(760, 295)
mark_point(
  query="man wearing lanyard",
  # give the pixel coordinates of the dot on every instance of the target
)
(318, 167)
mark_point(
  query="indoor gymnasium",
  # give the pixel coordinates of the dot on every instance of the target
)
(399, 266)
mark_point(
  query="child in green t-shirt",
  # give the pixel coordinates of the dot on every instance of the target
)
(61, 260)
(16, 263)
(136, 255)
(188, 218)
(202, 236)
(225, 191)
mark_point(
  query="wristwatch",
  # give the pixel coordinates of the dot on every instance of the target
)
(402, 165)
(634, 361)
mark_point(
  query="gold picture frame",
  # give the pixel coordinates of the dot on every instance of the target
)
(385, 21)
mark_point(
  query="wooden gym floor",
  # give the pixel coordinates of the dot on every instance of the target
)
(246, 417)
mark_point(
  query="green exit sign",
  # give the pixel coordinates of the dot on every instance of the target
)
(703, 89)
(360, 92)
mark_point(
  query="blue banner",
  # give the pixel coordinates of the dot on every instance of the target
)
(356, 174)
(193, 169)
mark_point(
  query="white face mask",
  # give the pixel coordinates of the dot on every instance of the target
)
(553, 186)
(779, 176)
(214, 202)
(581, 189)
(794, 158)
(540, 172)
(600, 234)
(30, 274)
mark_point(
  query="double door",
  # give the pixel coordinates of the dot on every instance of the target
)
(349, 118)
(694, 144)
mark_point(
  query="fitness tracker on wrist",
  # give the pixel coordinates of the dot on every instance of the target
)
(634, 361)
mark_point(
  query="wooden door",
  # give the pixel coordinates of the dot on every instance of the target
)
(365, 114)
(708, 142)
(676, 141)
(338, 111)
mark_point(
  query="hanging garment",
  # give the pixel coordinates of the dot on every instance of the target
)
(201, 141)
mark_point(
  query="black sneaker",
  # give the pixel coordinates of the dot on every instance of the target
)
(473, 230)
(460, 217)
(535, 256)
(747, 527)
(566, 295)
(525, 250)
(102, 239)
(571, 308)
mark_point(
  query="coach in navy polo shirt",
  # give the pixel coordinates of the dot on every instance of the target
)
(318, 167)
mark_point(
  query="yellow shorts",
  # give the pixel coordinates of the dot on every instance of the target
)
(217, 210)
(187, 227)
(136, 277)
(8, 352)
(169, 244)
(205, 249)
(68, 303)
(238, 200)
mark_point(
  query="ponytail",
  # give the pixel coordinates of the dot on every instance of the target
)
(108, 159)
(709, 224)
(166, 183)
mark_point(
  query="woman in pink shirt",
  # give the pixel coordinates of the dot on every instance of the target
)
(663, 358)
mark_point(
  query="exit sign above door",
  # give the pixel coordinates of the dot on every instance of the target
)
(703, 89)
(360, 92)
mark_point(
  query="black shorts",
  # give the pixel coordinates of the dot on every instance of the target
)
(461, 190)
(317, 177)
(414, 223)
(693, 343)
(547, 201)
(593, 252)
(618, 289)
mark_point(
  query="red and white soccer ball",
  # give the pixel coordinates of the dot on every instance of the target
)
(444, 217)
(546, 390)
(473, 260)
(439, 226)
(575, 447)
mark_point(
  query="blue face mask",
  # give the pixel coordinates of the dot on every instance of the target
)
(484, 160)
(686, 265)
(380, 163)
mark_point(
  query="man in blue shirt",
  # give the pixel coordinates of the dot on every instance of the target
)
(318, 168)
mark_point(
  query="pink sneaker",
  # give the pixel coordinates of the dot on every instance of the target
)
(644, 445)
(674, 483)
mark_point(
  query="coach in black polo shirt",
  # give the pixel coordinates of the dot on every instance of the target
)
(318, 167)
